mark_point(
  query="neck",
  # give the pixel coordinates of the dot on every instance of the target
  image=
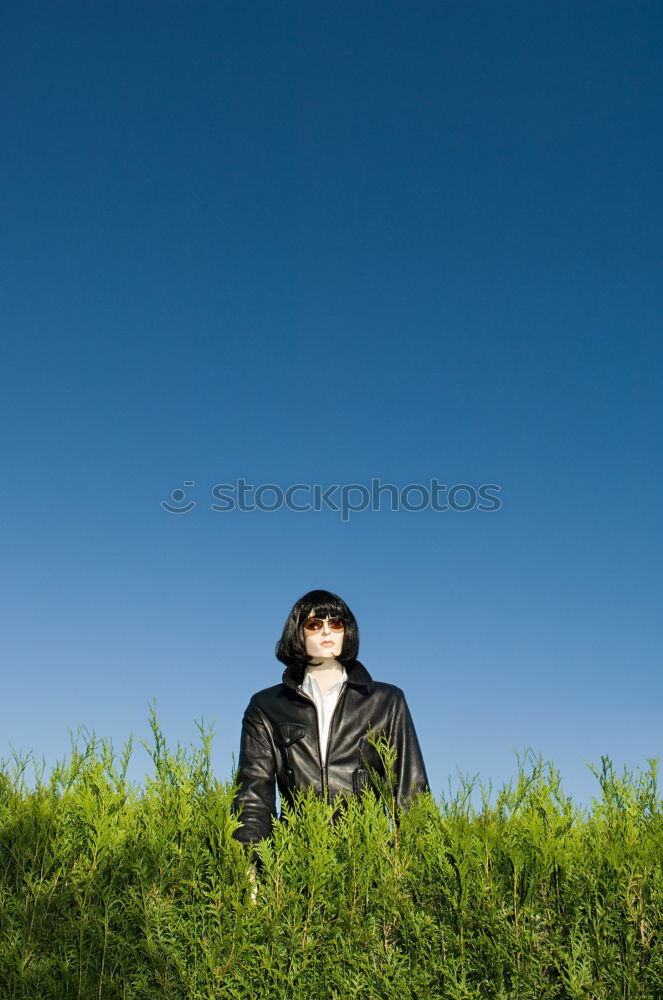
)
(325, 663)
(327, 672)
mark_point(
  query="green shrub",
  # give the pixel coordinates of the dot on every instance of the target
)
(110, 891)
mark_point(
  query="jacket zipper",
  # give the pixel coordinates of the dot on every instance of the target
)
(341, 694)
(317, 736)
(323, 766)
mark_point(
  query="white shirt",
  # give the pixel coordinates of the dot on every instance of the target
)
(324, 704)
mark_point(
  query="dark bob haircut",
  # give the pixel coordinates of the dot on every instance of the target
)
(291, 647)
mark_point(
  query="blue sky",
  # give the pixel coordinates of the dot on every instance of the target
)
(322, 244)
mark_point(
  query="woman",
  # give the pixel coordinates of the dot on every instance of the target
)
(312, 729)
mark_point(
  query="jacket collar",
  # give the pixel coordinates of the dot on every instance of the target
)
(358, 676)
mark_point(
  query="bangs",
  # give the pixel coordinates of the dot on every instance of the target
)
(324, 609)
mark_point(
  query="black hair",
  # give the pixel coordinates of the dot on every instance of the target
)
(291, 647)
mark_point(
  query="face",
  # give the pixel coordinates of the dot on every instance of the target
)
(325, 642)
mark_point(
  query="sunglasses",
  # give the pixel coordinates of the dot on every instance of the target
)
(315, 624)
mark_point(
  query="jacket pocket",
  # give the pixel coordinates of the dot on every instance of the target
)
(289, 733)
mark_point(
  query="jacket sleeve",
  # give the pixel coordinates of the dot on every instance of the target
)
(410, 769)
(255, 800)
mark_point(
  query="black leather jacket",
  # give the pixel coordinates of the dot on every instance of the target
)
(280, 742)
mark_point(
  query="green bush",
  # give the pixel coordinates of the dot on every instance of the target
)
(112, 891)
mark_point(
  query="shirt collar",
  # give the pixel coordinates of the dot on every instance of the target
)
(309, 683)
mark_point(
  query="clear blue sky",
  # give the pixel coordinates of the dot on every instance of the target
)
(314, 243)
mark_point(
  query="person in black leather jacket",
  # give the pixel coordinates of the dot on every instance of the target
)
(313, 728)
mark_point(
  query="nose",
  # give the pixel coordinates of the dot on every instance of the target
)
(325, 628)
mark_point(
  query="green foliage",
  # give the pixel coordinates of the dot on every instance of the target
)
(112, 891)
